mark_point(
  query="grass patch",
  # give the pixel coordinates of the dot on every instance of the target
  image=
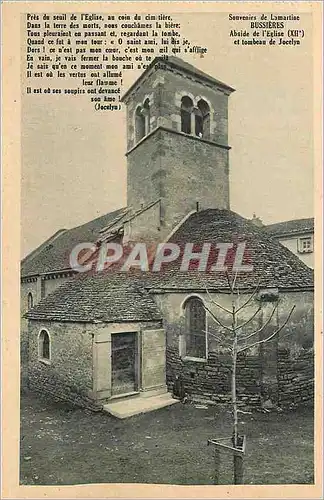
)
(61, 445)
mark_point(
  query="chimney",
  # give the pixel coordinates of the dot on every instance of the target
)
(257, 221)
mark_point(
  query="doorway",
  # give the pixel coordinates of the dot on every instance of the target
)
(124, 363)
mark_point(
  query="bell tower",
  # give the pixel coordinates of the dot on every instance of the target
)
(177, 146)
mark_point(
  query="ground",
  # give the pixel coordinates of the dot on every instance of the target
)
(61, 445)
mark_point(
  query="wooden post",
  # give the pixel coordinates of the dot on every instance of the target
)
(216, 464)
(238, 457)
(238, 462)
(238, 469)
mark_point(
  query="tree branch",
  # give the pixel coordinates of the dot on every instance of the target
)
(270, 336)
(220, 335)
(262, 327)
(224, 339)
(215, 303)
(217, 320)
(250, 298)
(248, 321)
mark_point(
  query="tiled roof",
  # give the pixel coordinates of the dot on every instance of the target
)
(105, 296)
(273, 264)
(291, 227)
(45, 243)
(188, 68)
(55, 256)
(113, 295)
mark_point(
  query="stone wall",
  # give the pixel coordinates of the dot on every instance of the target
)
(79, 370)
(272, 372)
(145, 226)
(165, 88)
(47, 382)
(167, 163)
(295, 377)
(51, 284)
(210, 381)
(37, 287)
(67, 376)
(27, 287)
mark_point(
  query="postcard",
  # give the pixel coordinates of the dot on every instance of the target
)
(162, 258)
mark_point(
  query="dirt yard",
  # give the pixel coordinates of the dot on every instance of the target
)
(61, 445)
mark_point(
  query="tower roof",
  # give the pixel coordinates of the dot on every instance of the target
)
(173, 62)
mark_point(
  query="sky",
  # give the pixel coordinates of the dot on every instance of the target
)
(73, 157)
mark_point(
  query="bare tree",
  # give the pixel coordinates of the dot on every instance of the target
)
(235, 341)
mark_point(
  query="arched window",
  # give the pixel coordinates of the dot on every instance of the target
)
(186, 110)
(142, 120)
(195, 328)
(30, 301)
(139, 124)
(44, 346)
(202, 119)
(146, 112)
(199, 122)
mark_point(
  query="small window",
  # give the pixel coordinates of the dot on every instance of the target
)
(305, 245)
(147, 116)
(30, 301)
(202, 119)
(139, 124)
(195, 329)
(199, 123)
(142, 120)
(44, 346)
(186, 111)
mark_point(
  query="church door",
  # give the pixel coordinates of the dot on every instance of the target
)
(124, 359)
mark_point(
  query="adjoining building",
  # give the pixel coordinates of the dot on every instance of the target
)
(296, 235)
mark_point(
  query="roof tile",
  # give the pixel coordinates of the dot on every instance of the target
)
(104, 296)
(291, 227)
(55, 256)
(112, 295)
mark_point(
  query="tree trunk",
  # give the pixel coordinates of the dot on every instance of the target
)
(234, 362)
(237, 460)
(234, 402)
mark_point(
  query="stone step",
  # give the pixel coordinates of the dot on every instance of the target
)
(154, 392)
(129, 407)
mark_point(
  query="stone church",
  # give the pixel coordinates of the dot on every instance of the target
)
(126, 341)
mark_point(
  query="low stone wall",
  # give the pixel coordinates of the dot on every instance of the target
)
(211, 381)
(24, 350)
(295, 377)
(43, 380)
(23, 364)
